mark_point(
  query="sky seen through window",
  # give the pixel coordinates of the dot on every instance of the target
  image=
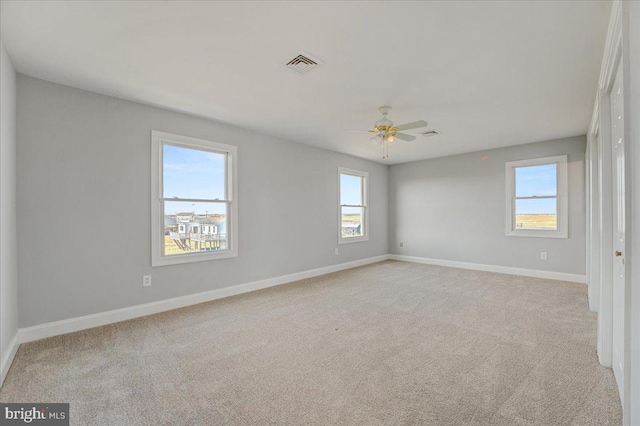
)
(540, 181)
(195, 174)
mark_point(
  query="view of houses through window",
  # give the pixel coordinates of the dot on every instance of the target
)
(195, 205)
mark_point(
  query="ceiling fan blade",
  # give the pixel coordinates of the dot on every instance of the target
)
(359, 130)
(413, 125)
(405, 137)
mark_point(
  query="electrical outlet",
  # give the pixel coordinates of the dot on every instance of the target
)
(336, 251)
(401, 244)
(146, 280)
(543, 255)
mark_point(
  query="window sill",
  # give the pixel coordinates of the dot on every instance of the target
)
(537, 234)
(352, 240)
(194, 257)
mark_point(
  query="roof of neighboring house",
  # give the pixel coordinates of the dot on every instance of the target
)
(171, 220)
(207, 220)
(211, 220)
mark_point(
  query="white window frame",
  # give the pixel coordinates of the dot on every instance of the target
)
(365, 209)
(157, 201)
(562, 198)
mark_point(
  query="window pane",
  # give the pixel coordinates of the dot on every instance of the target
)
(537, 214)
(194, 227)
(351, 224)
(536, 181)
(350, 190)
(192, 173)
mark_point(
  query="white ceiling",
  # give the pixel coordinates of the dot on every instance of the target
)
(486, 74)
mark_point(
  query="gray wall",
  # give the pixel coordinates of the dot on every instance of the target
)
(84, 205)
(8, 246)
(453, 208)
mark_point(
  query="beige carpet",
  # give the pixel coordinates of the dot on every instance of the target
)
(389, 343)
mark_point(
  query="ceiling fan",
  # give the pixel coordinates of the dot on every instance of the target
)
(386, 132)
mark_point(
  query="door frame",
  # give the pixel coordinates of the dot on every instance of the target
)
(632, 53)
(604, 232)
(621, 300)
(631, 69)
(616, 54)
(594, 237)
(601, 126)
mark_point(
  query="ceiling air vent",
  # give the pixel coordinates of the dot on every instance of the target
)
(429, 133)
(302, 63)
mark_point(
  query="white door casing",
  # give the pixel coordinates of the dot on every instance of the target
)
(618, 207)
(619, 170)
(593, 220)
(605, 259)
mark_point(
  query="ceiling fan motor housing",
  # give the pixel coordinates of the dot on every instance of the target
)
(384, 124)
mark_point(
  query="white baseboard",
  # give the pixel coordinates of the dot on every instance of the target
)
(71, 325)
(494, 268)
(7, 359)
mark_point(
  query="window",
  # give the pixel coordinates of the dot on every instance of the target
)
(353, 223)
(192, 189)
(537, 199)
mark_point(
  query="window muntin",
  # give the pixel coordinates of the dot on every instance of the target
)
(537, 203)
(353, 206)
(194, 204)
